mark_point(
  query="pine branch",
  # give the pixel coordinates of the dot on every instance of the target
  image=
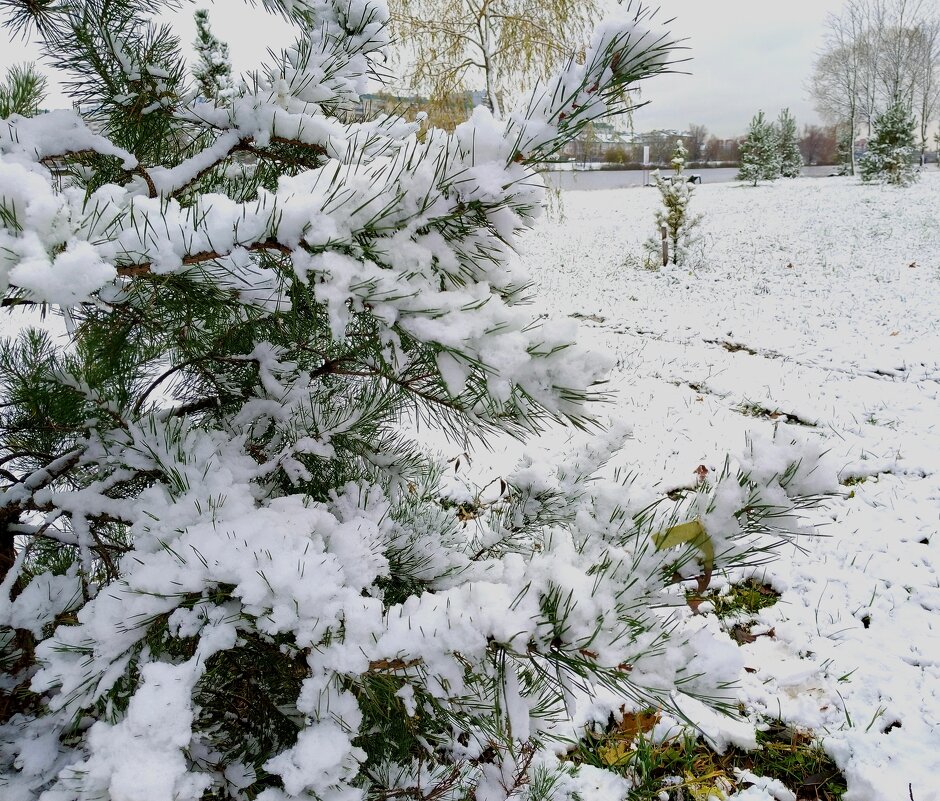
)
(16, 499)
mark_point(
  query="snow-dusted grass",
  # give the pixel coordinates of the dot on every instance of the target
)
(813, 301)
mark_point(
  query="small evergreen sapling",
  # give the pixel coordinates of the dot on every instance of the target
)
(892, 149)
(760, 152)
(229, 568)
(845, 149)
(674, 216)
(213, 67)
(791, 160)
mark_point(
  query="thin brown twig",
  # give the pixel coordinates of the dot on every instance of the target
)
(151, 187)
(146, 268)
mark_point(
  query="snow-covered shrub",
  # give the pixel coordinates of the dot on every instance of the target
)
(760, 152)
(227, 570)
(674, 215)
(891, 150)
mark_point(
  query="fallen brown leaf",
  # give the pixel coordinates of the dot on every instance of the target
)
(634, 723)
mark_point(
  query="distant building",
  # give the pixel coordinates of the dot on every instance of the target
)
(600, 141)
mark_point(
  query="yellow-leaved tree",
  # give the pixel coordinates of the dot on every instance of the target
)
(451, 47)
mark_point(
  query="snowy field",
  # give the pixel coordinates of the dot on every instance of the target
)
(813, 305)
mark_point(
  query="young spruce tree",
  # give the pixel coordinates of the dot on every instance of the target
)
(891, 150)
(760, 152)
(228, 567)
(791, 159)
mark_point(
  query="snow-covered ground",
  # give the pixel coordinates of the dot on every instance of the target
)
(813, 304)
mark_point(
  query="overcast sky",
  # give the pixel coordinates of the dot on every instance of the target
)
(746, 55)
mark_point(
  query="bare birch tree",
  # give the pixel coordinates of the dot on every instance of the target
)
(896, 24)
(837, 80)
(927, 84)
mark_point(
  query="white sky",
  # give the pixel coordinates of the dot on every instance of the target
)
(746, 55)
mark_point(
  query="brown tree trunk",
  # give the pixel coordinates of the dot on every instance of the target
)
(7, 543)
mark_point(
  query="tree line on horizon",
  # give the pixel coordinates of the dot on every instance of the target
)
(818, 144)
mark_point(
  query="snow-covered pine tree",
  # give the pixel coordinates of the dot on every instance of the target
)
(891, 150)
(229, 570)
(760, 153)
(22, 91)
(213, 67)
(791, 160)
(675, 192)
